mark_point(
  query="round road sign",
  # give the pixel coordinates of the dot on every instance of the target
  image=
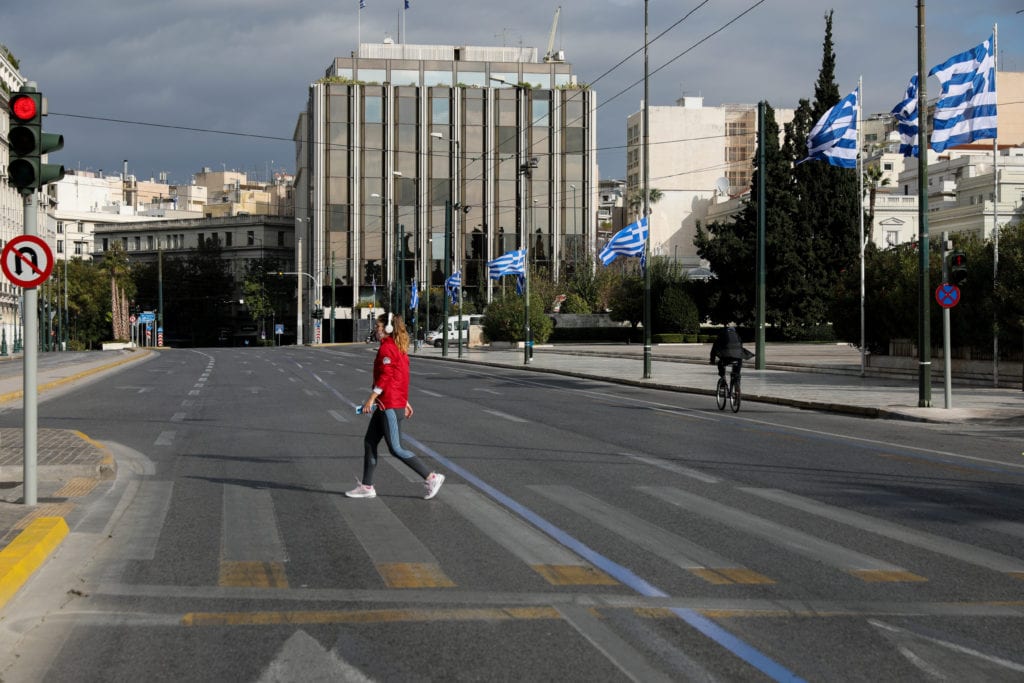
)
(27, 261)
(947, 295)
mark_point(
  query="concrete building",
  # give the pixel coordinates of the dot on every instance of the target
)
(393, 132)
(242, 239)
(699, 155)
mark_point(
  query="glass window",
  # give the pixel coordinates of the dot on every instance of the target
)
(540, 109)
(574, 140)
(373, 109)
(250, 237)
(337, 190)
(373, 75)
(407, 110)
(280, 238)
(511, 79)
(343, 72)
(440, 111)
(337, 104)
(562, 79)
(337, 220)
(542, 81)
(337, 162)
(431, 78)
(473, 78)
(405, 77)
(474, 111)
(505, 139)
(227, 239)
(573, 110)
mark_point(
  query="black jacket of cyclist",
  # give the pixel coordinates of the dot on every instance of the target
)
(728, 348)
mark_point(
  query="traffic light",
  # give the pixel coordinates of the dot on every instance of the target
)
(28, 142)
(957, 267)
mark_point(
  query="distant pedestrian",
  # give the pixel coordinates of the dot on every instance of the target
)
(390, 397)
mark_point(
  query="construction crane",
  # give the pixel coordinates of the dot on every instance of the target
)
(551, 55)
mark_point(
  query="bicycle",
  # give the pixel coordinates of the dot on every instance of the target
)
(729, 391)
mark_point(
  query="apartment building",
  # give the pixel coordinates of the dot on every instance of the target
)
(698, 155)
(394, 132)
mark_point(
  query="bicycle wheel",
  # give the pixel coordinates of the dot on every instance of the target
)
(734, 396)
(721, 393)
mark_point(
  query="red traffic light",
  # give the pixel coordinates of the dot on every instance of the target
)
(958, 259)
(24, 108)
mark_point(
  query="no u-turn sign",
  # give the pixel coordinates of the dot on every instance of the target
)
(27, 261)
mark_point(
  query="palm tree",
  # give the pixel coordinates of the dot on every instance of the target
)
(636, 198)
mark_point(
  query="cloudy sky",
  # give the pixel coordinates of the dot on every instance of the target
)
(243, 67)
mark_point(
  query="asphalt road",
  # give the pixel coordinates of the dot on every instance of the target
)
(587, 531)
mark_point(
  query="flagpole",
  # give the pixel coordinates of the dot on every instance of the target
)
(647, 194)
(860, 180)
(995, 208)
(924, 342)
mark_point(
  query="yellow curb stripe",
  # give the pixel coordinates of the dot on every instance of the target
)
(27, 552)
(76, 488)
(1017, 575)
(14, 395)
(882, 576)
(366, 616)
(573, 575)
(413, 575)
(253, 575)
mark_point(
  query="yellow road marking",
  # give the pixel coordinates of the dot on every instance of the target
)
(413, 575)
(730, 575)
(366, 616)
(27, 552)
(253, 574)
(573, 575)
(880, 576)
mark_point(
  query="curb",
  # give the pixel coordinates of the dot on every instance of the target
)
(27, 552)
(16, 395)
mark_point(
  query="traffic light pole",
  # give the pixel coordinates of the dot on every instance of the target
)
(31, 359)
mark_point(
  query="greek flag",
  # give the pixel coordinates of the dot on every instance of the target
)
(414, 297)
(406, 4)
(630, 241)
(512, 263)
(906, 119)
(362, 4)
(834, 136)
(520, 284)
(966, 110)
(453, 284)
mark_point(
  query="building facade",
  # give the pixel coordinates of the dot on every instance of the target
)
(395, 133)
(698, 156)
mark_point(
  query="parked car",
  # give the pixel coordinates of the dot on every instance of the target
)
(435, 338)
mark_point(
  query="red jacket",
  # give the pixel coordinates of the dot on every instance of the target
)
(391, 375)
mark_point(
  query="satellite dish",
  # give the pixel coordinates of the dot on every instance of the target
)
(722, 185)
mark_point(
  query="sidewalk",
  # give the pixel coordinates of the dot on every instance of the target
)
(814, 376)
(69, 465)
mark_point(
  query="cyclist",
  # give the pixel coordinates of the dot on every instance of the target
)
(728, 348)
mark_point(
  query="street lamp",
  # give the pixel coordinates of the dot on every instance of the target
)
(575, 235)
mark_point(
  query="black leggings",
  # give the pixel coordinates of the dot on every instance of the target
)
(384, 424)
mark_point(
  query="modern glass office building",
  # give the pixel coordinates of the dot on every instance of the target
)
(396, 134)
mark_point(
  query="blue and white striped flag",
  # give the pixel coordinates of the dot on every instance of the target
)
(630, 241)
(966, 111)
(406, 4)
(414, 297)
(834, 136)
(906, 119)
(362, 4)
(453, 284)
(520, 284)
(512, 263)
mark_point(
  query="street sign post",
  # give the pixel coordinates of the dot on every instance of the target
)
(947, 295)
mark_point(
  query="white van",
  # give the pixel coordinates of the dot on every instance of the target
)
(436, 337)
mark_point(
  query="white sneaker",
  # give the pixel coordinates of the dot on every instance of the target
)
(433, 484)
(362, 491)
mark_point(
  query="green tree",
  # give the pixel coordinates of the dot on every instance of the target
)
(635, 199)
(676, 311)
(731, 248)
(506, 315)
(828, 199)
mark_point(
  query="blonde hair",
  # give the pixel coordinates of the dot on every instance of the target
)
(400, 334)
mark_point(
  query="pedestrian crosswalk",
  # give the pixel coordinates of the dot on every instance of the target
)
(255, 548)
